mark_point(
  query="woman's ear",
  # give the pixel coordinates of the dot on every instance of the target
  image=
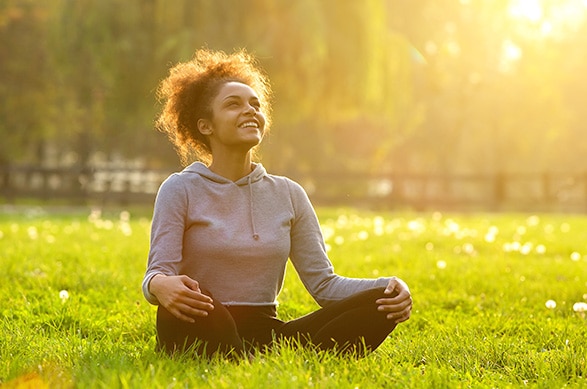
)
(205, 127)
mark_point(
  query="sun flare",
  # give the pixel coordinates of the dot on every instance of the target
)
(550, 17)
(526, 9)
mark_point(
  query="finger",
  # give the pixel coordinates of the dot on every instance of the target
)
(181, 316)
(397, 300)
(391, 309)
(203, 305)
(391, 286)
(191, 283)
(399, 317)
(198, 302)
(395, 306)
(189, 294)
(189, 313)
(400, 296)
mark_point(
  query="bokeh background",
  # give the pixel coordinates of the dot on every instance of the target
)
(439, 88)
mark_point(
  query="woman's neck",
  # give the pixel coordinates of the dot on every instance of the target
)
(233, 168)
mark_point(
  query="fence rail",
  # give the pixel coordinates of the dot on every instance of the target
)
(524, 192)
(547, 192)
(108, 185)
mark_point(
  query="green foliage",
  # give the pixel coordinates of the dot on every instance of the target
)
(425, 86)
(72, 313)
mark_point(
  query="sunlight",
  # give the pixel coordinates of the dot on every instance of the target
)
(550, 18)
(526, 9)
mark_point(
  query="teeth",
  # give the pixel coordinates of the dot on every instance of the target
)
(249, 124)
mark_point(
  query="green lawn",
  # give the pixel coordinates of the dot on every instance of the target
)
(72, 313)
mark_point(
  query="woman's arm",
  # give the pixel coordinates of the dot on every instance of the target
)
(308, 255)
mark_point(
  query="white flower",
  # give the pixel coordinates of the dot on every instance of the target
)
(63, 295)
(363, 235)
(575, 256)
(441, 264)
(124, 216)
(550, 304)
(580, 307)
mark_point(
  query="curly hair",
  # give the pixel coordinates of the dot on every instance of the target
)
(189, 89)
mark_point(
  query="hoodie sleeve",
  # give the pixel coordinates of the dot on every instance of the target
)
(167, 229)
(308, 255)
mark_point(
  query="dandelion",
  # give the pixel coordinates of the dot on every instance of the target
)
(363, 235)
(510, 247)
(378, 225)
(95, 215)
(521, 230)
(64, 295)
(124, 216)
(533, 221)
(580, 307)
(429, 246)
(328, 232)
(416, 226)
(540, 249)
(342, 221)
(575, 256)
(550, 304)
(338, 240)
(441, 264)
(526, 248)
(469, 249)
(33, 233)
(491, 234)
(451, 227)
(126, 229)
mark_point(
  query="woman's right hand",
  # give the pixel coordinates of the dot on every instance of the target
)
(181, 296)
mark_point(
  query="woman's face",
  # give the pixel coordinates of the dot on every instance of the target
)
(237, 119)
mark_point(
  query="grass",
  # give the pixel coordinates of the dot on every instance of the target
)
(72, 313)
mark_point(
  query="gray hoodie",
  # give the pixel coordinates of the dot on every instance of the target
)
(235, 238)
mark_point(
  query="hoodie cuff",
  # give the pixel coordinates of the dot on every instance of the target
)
(151, 298)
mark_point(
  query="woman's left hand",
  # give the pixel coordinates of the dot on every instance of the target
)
(399, 303)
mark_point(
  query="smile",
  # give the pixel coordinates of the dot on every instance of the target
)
(249, 124)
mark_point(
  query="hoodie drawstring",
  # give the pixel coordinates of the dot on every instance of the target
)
(255, 235)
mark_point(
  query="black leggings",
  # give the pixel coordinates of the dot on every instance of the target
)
(353, 325)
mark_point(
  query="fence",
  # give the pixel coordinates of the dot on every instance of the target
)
(102, 186)
(538, 192)
(544, 192)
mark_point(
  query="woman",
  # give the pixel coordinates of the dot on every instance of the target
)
(223, 230)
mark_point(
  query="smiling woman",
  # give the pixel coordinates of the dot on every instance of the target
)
(223, 232)
(188, 92)
(236, 122)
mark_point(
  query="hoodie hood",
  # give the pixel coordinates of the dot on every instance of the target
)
(199, 168)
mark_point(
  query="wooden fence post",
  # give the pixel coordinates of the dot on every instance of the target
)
(499, 190)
